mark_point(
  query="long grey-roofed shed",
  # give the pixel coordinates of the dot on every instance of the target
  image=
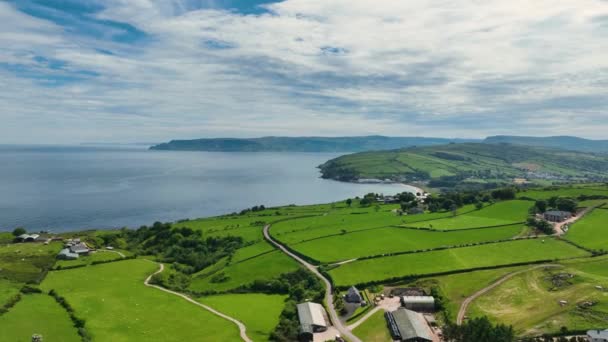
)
(312, 318)
(409, 326)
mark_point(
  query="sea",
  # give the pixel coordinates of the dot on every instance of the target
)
(59, 188)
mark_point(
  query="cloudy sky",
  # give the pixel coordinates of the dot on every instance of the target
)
(76, 71)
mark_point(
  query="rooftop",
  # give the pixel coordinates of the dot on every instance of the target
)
(411, 325)
(311, 314)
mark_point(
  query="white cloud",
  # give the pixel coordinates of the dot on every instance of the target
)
(313, 67)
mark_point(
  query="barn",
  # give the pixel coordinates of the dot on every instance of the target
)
(408, 326)
(418, 303)
(312, 320)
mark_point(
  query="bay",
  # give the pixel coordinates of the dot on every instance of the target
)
(73, 188)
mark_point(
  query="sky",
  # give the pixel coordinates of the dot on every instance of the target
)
(74, 71)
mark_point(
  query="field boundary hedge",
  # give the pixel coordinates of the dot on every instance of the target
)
(79, 323)
(461, 229)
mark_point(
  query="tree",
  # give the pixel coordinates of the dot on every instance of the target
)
(541, 205)
(19, 231)
(349, 202)
(479, 330)
(504, 194)
(478, 205)
(566, 204)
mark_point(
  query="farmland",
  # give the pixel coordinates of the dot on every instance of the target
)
(37, 314)
(87, 260)
(25, 262)
(591, 231)
(259, 312)
(522, 251)
(374, 329)
(530, 301)
(392, 240)
(118, 307)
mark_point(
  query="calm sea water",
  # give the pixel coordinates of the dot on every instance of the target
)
(69, 188)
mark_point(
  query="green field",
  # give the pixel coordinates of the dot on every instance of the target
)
(264, 267)
(393, 239)
(24, 262)
(563, 192)
(118, 307)
(259, 312)
(37, 314)
(374, 329)
(501, 213)
(504, 253)
(530, 301)
(87, 260)
(591, 231)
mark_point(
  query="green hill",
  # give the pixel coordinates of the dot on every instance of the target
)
(563, 142)
(453, 164)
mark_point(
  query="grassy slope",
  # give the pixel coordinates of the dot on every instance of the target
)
(374, 329)
(23, 262)
(118, 307)
(452, 259)
(528, 303)
(8, 290)
(259, 312)
(392, 239)
(591, 231)
(86, 260)
(501, 213)
(264, 267)
(37, 314)
(564, 192)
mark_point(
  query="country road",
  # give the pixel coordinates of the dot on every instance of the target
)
(465, 305)
(329, 297)
(242, 328)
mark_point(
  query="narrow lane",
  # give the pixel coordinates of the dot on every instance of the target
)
(329, 297)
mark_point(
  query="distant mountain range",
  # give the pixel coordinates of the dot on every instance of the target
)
(367, 143)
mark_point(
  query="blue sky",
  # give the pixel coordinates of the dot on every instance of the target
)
(76, 71)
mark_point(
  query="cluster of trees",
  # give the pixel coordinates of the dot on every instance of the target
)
(455, 200)
(478, 330)
(548, 338)
(301, 286)
(254, 209)
(556, 203)
(541, 225)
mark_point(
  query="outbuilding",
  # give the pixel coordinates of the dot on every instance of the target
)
(418, 303)
(557, 216)
(66, 254)
(312, 320)
(597, 335)
(353, 295)
(28, 237)
(407, 325)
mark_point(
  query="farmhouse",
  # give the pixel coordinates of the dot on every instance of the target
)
(407, 325)
(312, 320)
(66, 254)
(28, 237)
(418, 303)
(353, 295)
(557, 216)
(597, 335)
(80, 248)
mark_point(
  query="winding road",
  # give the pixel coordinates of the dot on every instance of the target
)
(465, 305)
(242, 328)
(329, 297)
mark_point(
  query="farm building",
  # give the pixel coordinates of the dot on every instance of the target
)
(409, 326)
(597, 335)
(312, 320)
(418, 303)
(28, 237)
(66, 254)
(557, 216)
(80, 248)
(353, 295)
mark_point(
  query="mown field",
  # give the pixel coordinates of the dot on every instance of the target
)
(530, 301)
(591, 231)
(494, 254)
(374, 329)
(227, 277)
(393, 239)
(501, 213)
(564, 192)
(37, 314)
(118, 307)
(259, 312)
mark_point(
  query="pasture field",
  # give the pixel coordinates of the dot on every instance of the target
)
(530, 301)
(250, 251)
(564, 192)
(247, 227)
(501, 213)
(393, 239)
(592, 203)
(25, 262)
(259, 312)
(494, 254)
(117, 306)
(87, 260)
(337, 222)
(264, 267)
(8, 290)
(591, 231)
(37, 314)
(374, 329)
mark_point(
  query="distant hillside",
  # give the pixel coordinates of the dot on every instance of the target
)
(302, 144)
(563, 142)
(453, 164)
